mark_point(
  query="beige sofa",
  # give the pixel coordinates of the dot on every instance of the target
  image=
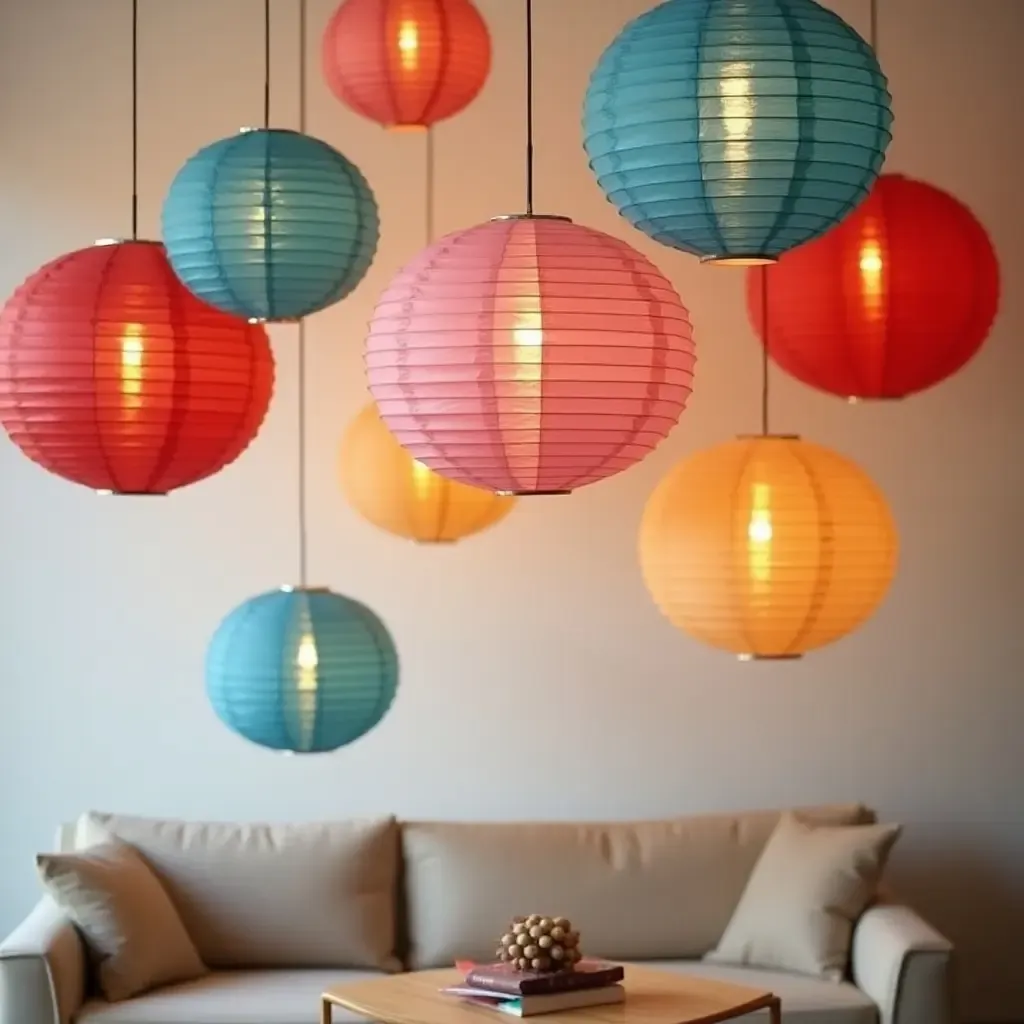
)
(280, 912)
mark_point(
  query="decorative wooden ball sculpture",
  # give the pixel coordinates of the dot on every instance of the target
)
(540, 943)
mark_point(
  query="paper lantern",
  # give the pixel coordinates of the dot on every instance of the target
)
(390, 489)
(898, 297)
(270, 225)
(406, 63)
(302, 670)
(114, 376)
(768, 547)
(530, 355)
(736, 129)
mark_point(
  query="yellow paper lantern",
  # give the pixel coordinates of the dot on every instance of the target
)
(390, 489)
(767, 547)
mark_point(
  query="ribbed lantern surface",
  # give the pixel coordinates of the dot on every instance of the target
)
(302, 670)
(530, 355)
(736, 129)
(767, 547)
(894, 300)
(390, 489)
(114, 376)
(406, 63)
(270, 224)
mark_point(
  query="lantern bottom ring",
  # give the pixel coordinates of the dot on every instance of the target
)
(769, 657)
(529, 494)
(740, 260)
(430, 543)
(107, 493)
(411, 127)
(532, 216)
(767, 437)
(274, 320)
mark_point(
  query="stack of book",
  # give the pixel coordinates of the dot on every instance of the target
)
(529, 993)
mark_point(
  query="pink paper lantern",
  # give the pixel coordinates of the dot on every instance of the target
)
(530, 355)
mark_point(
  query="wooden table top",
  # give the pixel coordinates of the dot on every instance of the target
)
(652, 997)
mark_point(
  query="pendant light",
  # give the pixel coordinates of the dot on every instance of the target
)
(406, 64)
(736, 130)
(270, 224)
(897, 298)
(115, 377)
(768, 546)
(529, 354)
(390, 489)
(301, 669)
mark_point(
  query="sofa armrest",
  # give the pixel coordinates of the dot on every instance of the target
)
(903, 964)
(42, 969)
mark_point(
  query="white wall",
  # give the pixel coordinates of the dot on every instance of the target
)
(537, 637)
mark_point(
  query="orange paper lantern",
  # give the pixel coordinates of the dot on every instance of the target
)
(390, 489)
(767, 547)
(406, 63)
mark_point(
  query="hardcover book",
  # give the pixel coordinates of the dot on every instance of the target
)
(501, 977)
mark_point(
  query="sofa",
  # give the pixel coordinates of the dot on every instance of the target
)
(277, 913)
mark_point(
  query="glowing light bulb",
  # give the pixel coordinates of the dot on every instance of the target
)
(737, 109)
(306, 660)
(423, 479)
(409, 45)
(871, 266)
(759, 536)
(132, 353)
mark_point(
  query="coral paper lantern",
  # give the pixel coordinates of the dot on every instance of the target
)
(897, 298)
(270, 224)
(530, 355)
(736, 129)
(406, 63)
(303, 670)
(114, 376)
(767, 546)
(390, 489)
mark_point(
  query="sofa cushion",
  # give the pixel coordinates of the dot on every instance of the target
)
(635, 890)
(805, 893)
(805, 1000)
(250, 896)
(230, 997)
(130, 927)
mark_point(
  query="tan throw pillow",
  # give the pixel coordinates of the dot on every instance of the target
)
(128, 922)
(809, 886)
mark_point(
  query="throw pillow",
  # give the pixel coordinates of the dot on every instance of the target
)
(130, 927)
(806, 891)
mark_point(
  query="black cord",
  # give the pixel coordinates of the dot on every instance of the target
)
(135, 120)
(874, 27)
(266, 63)
(303, 530)
(529, 107)
(764, 353)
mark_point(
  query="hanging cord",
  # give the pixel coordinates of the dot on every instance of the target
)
(764, 351)
(266, 63)
(303, 537)
(135, 120)
(529, 108)
(430, 185)
(873, 30)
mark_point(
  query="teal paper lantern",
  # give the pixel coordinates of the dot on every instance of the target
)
(270, 225)
(736, 130)
(302, 670)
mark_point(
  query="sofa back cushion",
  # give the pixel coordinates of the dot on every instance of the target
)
(296, 895)
(635, 890)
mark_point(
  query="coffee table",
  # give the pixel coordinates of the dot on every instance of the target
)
(652, 997)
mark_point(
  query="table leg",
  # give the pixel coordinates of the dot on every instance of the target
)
(325, 1011)
(774, 1012)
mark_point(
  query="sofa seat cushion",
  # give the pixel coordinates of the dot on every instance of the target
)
(230, 997)
(805, 1000)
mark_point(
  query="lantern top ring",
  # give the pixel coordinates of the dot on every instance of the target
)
(767, 437)
(291, 588)
(532, 216)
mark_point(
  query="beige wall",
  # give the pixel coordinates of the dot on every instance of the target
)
(534, 645)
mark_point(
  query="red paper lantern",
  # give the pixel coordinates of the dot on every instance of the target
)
(114, 376)
(896, 298)
(530, 355)
(406, 63)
